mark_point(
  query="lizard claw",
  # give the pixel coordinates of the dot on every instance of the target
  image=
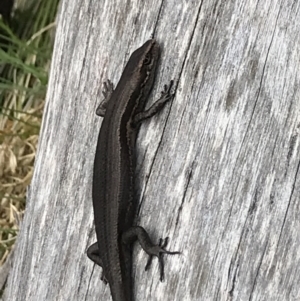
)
(108, 89)
(103, 278)
(167, 89)
(158, 251)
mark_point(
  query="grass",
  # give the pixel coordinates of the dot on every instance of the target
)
(25, 55)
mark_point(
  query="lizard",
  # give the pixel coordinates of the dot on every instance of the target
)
(113, 196)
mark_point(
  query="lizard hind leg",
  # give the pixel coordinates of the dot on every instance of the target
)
(149, 247)
(93, 254)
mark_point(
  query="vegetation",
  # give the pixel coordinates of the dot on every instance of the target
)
(25, 52)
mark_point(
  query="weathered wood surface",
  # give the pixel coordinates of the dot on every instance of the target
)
(218, 169)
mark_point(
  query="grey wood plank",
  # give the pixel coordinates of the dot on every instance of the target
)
(218, 169)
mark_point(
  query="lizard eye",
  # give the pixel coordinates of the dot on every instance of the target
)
(147, 59)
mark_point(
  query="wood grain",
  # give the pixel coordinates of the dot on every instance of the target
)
(218, 169)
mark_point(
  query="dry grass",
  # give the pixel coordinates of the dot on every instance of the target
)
(18, 139)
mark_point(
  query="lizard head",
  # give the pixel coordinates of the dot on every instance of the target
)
(143, 62)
